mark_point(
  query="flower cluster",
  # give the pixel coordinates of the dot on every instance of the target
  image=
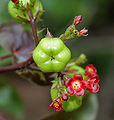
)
(77, 86)
(77, 20)
(92, 79)
(72, 32)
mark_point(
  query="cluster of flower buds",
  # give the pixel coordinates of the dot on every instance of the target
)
(72, 32)
(77, 86)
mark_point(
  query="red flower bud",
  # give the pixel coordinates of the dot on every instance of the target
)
(90, 71)
(77, 20)
(83, 32)
(57, 104)
(15, 1)
(64, 97)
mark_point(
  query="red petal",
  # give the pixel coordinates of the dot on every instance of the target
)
(78, 77)
(79, 92)
(68, 81)
(70, 91)
(84, 84)
(95, 88)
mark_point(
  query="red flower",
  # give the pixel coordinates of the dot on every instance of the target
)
(83, 32)
(64, 97)
(77, 20)
(90, 70)
(93, 85)
(76, 85)
(57, 104)
(15, 1)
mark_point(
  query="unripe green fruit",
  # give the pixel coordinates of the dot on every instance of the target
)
(51, 55)
(19, 11)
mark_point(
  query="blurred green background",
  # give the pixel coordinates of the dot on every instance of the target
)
(27, 101)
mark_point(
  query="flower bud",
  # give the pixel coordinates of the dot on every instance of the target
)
(64, 97)
(15, 1)
(77, 20)
(83, 32)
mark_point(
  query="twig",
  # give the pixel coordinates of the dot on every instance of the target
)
(6, 56)
(16, 66)
(32, 23)
(33, 68)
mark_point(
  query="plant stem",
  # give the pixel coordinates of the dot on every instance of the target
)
(33, 68)
(32, 23)
(4, 57)
(16, 66)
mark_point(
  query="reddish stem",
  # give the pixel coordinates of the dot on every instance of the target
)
(33, 68)
(32, 23)
(16, 66)
(4, 57)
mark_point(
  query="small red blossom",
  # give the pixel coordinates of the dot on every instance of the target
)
(77, 20)
(76, 85)
(64, 97)
(93, 85)
(83, 32)
(90, 71)
(15, 1)
(57, 104)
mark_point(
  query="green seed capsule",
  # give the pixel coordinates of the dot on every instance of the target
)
(51, 55)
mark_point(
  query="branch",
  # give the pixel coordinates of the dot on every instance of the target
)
(4, 57)
(16, 66)
(33, 68)
(32, 23)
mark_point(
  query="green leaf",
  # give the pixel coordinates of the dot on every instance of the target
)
(54, 91)
(10, 101)
(78, 69)
(5, 62)
(73, 103)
